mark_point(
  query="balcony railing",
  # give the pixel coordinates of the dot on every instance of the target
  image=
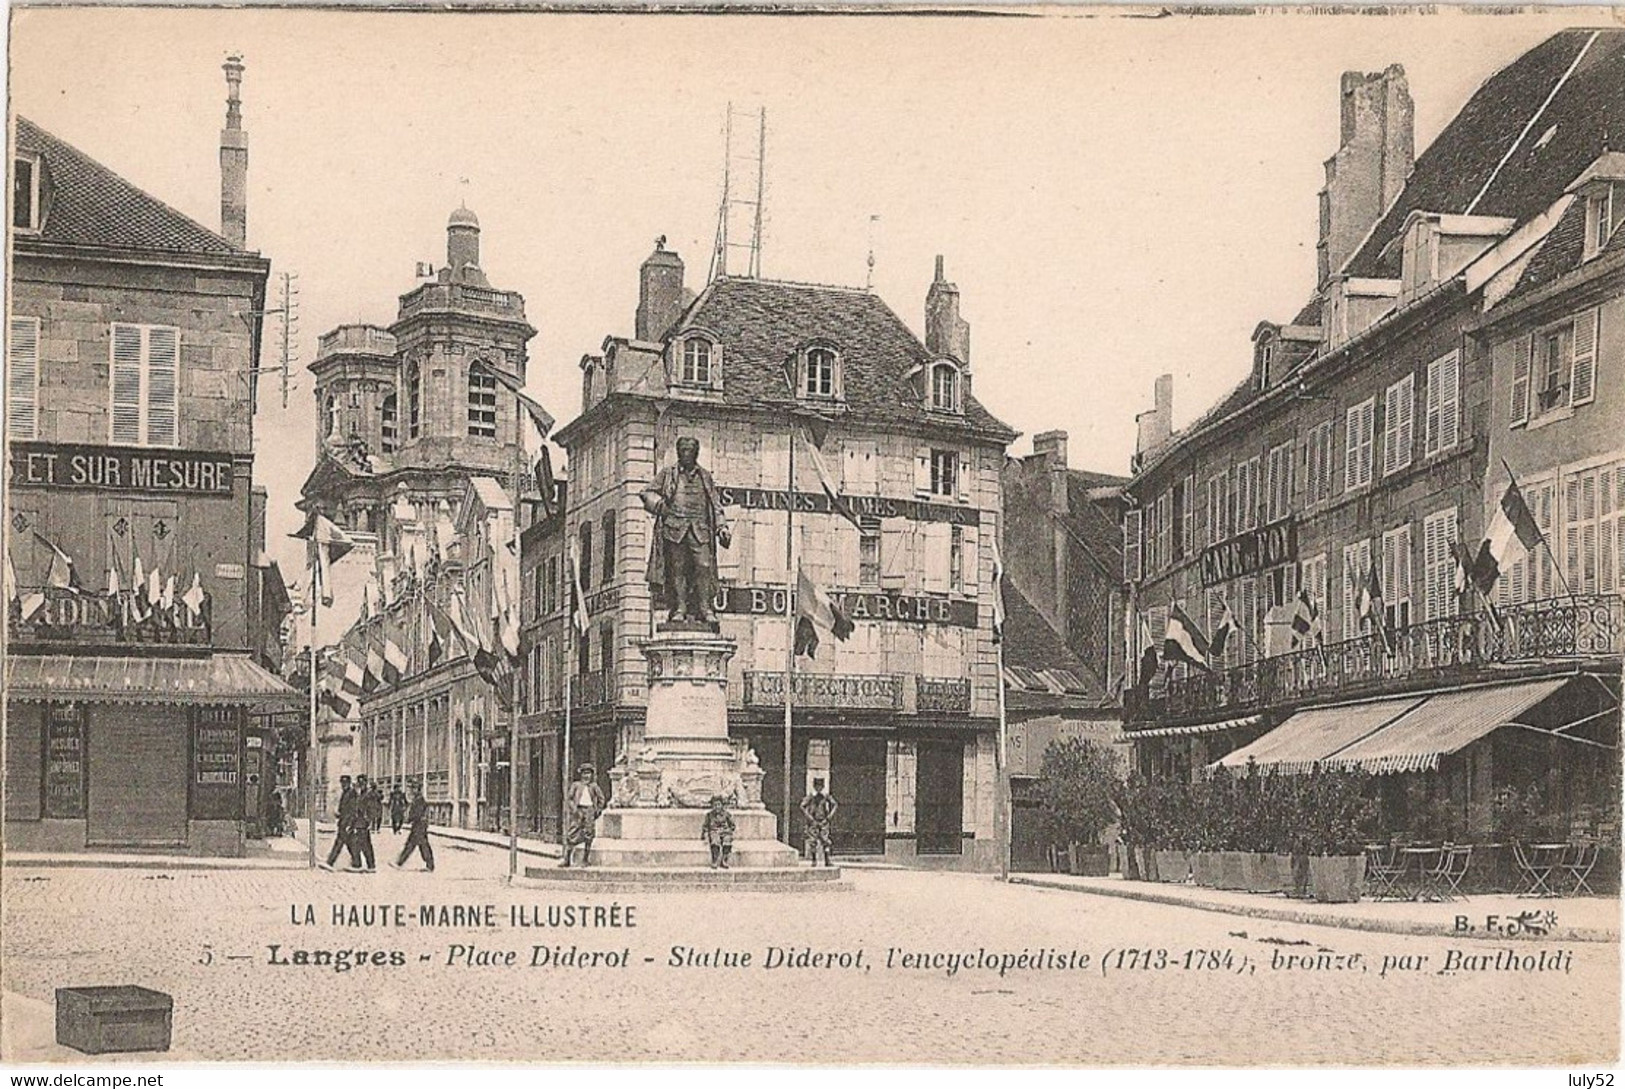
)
(366, 339)
(507, 304)
(1456, 648)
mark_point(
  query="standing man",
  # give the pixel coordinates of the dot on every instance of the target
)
(346, 815)
(586, 802)
(361, 827)
(417, 836)
(819, 809)
(689, 524)
(376, 801)
(397, 808)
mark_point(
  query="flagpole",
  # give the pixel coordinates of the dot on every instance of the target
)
(1557, 565)
(310, 761)
(791, 572)
(569, 668)
(513, 690)
(1001, 768)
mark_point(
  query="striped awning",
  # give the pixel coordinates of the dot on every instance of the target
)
(1309, 737)
(218, 678)
(1199, 728)
(1443, 724)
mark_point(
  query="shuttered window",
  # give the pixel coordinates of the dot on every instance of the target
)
(1444, 403)
(1187, 517)
(1398, 414)
(145, 381)
(1217, 523)
(1396, 578)
(1358, 441)
(1594, 529)
(1583, 370)
(1439, 565)
(1131, 546)
(1523, 356)
(22, 379)
(1318, 464)
(1248, 475)
(1278, 483)
(1356, 564)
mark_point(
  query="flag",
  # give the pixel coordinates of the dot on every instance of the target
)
(1369, 603)
(437, 636)
(372, 676)
(578, 600)
(394, 661)
(1148, 655)
(1222, 631)
(815, 435)
(998, 592)
(64, 575)
(113, 586)
(815, 609)
(11, 581)
(1183, 641)
(1512, 534)
(540, 418)
(354, 681)
(167, 600)
(1467, 578)
(326, 544)
(1306, 626)
(194, 596)
(155, 587)
(138, 598)
(506, 617)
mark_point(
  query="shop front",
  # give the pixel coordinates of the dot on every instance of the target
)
(134, 753)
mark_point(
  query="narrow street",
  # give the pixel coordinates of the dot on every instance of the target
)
(1232, 1001)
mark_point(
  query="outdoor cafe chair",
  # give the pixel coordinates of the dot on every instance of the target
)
(1577, 864)
(1444, 879)
(1384, 868)
(1536, 866)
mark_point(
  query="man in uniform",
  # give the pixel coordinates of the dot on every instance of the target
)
(397, 808)
(819, 809)
(586, 801)
(689, 524)
(366, 801)
(417, 835)
(346, 816)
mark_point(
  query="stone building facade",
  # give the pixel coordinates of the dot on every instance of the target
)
(901, 717)
(136, 621)
(1319, 504)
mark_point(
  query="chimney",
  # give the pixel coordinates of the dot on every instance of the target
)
(945, 332)
(1376, 150)
(462, 242)
(234, 159)
(1051, 446)
(1157, 425)
(660, 292)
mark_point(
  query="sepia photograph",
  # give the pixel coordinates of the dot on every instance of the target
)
(514, 555)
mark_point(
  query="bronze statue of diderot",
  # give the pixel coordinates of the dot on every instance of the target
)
(689, 525)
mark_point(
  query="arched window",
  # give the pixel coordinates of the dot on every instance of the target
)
(584, 555)
(608, 534)
(414, 400)
(389, 432)
(945, 387)
(330, 416)
(696, 362)
(819, 373)
(482, 403)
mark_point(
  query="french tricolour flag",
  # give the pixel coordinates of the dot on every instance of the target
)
(1512, 535)
(1183, 642)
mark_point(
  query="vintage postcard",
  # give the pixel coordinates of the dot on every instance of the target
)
(515, 554)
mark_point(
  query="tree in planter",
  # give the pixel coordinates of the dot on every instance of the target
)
(1075, 788)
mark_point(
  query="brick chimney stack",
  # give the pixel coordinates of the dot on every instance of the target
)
(1376, 150)
(1156, 426)
(660, 292)
(945, 332)
(234, 160)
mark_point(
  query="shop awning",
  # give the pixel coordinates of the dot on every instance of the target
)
(1445, 723)
(1309, 737)
(1199, 728)
(218, 678)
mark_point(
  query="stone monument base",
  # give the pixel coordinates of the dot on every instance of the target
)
(671, 837)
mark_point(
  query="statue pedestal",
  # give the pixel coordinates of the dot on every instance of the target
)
(664, 784)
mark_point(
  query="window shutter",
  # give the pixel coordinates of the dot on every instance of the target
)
(963, 463)
(163, 377)
(1522, 362)
(1351, 451)
(1187, 516)
(126, 384)
(922, 471)
(1131, 546)
(893, 558)
(22, 379)
(972, 561)
(1583, 370)
(938, 543)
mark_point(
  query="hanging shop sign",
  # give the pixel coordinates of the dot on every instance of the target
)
(98, 618)
(859, 605)
(873, 506)
(120, 469)
(1251, 552)
(831, 690)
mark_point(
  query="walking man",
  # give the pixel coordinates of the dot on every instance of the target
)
(376, 800)
(586, 802)
(417, 835)
(397, 808)
(361, 827)
(346, 816)
(819, 809)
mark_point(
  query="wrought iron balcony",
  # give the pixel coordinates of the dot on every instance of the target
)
(1457, 648)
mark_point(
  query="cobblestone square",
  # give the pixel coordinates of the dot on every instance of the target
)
(1178, 986)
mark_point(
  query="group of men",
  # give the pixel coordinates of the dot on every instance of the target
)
(361, 813)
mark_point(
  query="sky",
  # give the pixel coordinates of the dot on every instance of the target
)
(1117, 196)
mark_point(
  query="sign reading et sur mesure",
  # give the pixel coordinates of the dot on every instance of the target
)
(120, 468)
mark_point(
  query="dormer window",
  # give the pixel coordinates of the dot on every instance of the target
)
(945, 388)
(1600, 212)
(25, 193)
(819, 373)
(699, 362)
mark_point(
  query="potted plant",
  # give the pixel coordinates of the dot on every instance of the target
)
(1076, 784)
(1340, 821)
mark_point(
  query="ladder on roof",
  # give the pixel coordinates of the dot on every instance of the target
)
(739, 217)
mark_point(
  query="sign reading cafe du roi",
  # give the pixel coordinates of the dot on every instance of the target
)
(120, 468)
